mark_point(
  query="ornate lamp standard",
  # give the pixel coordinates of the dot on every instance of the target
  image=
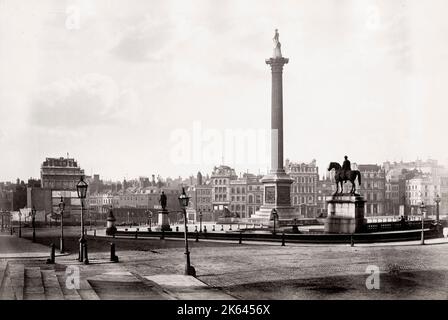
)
(33, 217)
(274, 216)
(81, 187)
(183, 201)
(200, 221)
(422, 209)
(61, 208)
(20, 224)
(437, 199)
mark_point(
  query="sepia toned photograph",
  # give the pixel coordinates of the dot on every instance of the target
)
(239, 151)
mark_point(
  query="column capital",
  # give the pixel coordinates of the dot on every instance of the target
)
(274, 62)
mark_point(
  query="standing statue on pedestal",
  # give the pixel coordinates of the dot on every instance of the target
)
(277, 45)
(163, 200)
(344, 173)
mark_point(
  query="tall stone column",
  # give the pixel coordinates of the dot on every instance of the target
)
(277, 113)
(276, 184)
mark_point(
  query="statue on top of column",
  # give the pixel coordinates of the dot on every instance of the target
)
(277, 45)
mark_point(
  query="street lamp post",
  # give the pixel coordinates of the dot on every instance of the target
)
(422, 208)
(81, 187)
(149, 213)
(437, 199)
(183, 201)
(200, 221)
(274, 216)
(61, 208)
(33, 217)
(20, 224)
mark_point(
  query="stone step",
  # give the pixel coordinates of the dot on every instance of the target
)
(52, 287)
(34, 286)
(6, 289)
(123, 285)
(184, 287)
(86, 291)
(16, 273)
(3, 266)
(69, 293)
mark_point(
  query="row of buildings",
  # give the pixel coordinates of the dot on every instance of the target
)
(390, 189)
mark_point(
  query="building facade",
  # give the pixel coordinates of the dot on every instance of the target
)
(304, 187)
(373, 188)
(254, 195)
(220, 181)
(60, 173)
(421, 189)
(325, 188)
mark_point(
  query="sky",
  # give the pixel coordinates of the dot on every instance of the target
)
(140, 87)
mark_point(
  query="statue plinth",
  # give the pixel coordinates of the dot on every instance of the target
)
(164, 222)
(345, 213)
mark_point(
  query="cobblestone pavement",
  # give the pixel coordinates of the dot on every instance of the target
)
(332, 272)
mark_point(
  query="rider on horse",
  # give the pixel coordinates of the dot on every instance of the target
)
(346, 167)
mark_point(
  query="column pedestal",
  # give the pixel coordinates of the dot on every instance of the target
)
(345, 214)
(277, 195)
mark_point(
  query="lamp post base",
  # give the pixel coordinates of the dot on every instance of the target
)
(82, 241)
(189, 270)
(61, 245)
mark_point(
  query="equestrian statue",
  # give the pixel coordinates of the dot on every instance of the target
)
(344, 173)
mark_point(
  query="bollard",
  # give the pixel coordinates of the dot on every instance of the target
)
(241, 238)
(177, 228)
(213, 228)
(195, 228)
(136, 233)
(230, 228)
(86, 256)
(205, 229)
(197, 236)
(352, 241)
(12, 230)
(222, 227)
(238, 226)
(162, 236)
(51, 260)
(283, 239)
(113, 256)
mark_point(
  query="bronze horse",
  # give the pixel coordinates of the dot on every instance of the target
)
(342, 176)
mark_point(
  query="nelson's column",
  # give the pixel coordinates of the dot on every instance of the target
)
(277, 183)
